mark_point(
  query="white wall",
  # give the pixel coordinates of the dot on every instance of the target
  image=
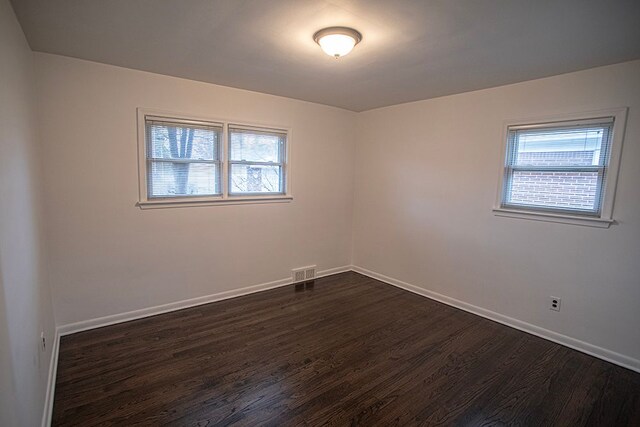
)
(25, 301)
(426, 181)
(110, 257)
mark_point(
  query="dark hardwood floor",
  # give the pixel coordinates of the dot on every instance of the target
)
(349, 351)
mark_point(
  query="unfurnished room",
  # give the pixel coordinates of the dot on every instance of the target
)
(319, 213)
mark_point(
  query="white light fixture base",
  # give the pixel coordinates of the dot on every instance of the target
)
(337, 41)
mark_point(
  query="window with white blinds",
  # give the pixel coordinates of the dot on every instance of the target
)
(183, 158)
(561, 167)
(256, 161)
(191, 162)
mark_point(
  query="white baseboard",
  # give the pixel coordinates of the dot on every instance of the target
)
(585, 347)
(99, 322)
(51, 381)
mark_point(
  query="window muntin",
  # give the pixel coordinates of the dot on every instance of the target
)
(256, 161)
(183, 158)
(557, 167)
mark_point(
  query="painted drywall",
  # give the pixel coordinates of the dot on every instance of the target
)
(426, 177)
(425, 182)
(109, 257)
(25, 300)
(8, 415)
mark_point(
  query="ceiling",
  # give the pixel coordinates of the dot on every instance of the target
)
(411, 49)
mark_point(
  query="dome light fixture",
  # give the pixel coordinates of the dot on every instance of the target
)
(337, 41)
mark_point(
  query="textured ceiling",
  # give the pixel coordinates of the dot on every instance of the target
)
(411, 49)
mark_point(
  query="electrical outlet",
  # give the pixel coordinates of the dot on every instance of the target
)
(554, 303)
(43, 341)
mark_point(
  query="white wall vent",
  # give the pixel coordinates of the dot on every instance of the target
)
(304, 274)
(310, 273)
(298, 275)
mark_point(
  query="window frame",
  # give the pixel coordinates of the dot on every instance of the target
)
(186, 122)
(604, 218)
(282, 161)
(225, 197)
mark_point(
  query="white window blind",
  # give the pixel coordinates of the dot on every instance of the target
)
(558, 167)
(256, 161)
(183, 158)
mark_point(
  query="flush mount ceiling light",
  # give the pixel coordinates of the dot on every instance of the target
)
(337, 41)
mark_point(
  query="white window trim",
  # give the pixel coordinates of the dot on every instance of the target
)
(144, 202)
(606, 214)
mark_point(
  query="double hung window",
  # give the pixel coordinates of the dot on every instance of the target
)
(564, 168)
(186, 161)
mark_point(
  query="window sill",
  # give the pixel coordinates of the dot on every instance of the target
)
(554, 217)
(183, 203)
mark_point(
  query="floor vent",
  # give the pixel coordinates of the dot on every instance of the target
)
(304, 274)
(310, 273)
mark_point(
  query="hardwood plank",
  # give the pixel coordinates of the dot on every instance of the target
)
(348, 351)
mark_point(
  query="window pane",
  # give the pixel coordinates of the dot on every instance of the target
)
(560, 190)
(560, 147)
(255, 179)
(173, 141)
(256, 146)
(168, 179)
